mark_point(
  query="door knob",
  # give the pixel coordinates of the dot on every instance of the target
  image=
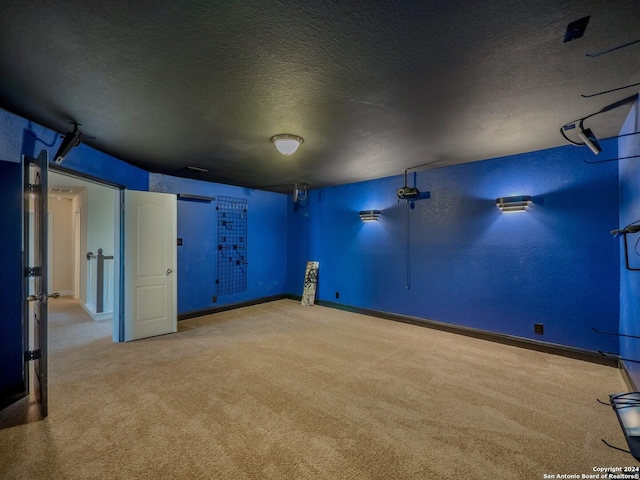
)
(42, 297)
(169, 271)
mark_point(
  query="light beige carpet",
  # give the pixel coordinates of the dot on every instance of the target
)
(289, 392)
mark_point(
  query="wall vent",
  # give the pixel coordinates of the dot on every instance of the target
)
(60, 190)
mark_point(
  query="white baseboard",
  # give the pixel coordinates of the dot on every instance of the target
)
(97, 316)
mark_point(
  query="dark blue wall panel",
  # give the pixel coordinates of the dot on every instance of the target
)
(11, 363)
(469, 264)
(198, 255)
(630, 213)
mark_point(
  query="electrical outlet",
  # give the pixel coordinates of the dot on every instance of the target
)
(337, 294)
(538, 328)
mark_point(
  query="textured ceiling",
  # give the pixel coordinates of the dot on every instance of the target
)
(372, 87)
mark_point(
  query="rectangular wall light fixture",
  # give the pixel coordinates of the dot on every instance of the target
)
(513, 204)
(369, 215)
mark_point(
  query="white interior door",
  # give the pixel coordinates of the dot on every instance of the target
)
(150, 259)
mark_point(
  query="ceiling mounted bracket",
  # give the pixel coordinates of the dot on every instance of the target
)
(70, 140)
(586, 135)
(604, 52)
(609, 91)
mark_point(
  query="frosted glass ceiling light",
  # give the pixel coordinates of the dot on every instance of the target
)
(287, 144)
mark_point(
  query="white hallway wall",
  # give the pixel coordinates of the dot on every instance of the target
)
(101, 220)
(79, 204)
(62, 236)
(96, 209)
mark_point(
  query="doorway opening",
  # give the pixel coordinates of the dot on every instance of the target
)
(85, 246)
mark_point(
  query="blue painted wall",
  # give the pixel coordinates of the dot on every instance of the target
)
(470, 264)
(198, 256)
(11, 374)
(87, 160)
(629, 213)
(19, 136)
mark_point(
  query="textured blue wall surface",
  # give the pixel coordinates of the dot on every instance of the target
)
(198, 256)
(469, 264)
(86, 160)
(630, 213)
(19, 136)
(11, 379)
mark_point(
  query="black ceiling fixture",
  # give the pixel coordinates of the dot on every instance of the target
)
(576, 29)
(585, 134)
(406, 192)
(69, 141)
(412, 193)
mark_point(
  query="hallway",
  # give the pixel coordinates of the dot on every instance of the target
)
(71, 327)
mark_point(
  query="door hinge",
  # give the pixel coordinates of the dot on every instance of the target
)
(32, 355)
(33, 271)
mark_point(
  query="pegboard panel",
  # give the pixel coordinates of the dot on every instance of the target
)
(232, 245)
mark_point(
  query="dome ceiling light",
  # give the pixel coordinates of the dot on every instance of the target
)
(287, 144)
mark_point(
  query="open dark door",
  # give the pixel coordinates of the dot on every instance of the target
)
(35, 272)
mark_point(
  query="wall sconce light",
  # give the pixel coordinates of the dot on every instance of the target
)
(369, 215)
(513, 204)
(287, 144)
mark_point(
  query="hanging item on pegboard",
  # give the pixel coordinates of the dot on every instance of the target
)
(232, 245)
